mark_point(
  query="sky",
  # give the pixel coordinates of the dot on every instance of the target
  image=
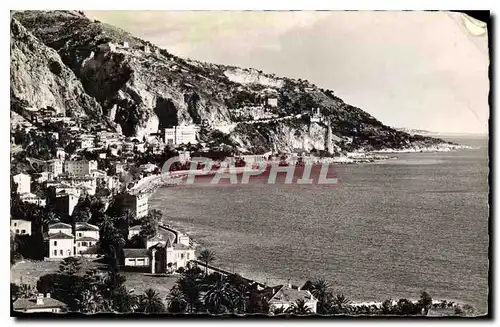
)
(421, 70)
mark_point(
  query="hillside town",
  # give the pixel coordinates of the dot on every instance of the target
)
(74, 195)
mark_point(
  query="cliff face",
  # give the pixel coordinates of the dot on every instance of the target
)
(39, 78)
(144, 88)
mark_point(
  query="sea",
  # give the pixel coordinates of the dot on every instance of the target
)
(386, 230)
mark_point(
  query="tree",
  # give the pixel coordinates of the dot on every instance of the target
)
(207, 256)
(70, 266)
(150, 302)
(425, 302)
(300, 308)
(190, 286)
(341, 303)
(218, 297)
(176, 301)
(321, 291)
(239, 297)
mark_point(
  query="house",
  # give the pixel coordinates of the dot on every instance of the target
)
(33, 198)
(23, 182)
(184, 156)
(136, 203)
(163, 253)
(287, 295)
(136, 257)
(55, 167)
(119, 167)
(86, 141)
(86, 238)
(61, 245)
(39, 304)
(20, 226)
(80, 167)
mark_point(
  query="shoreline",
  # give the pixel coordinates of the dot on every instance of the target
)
(356, 157)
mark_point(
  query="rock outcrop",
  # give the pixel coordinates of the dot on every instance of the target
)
(39, 79)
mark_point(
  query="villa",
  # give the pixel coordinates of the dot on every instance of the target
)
(39, 304)
(286, 296)
(20, 226)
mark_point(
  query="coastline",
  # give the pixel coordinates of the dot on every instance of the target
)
(356, 157)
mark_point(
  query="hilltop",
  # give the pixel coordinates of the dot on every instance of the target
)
(141, 88)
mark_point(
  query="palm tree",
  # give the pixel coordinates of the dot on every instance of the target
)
(207, 256)
(342, 303)
(320, 290)
(278, 310)
(218, 297)
(425, 302)
(150, 302)
(239, 296)
(176, 300)
(299, 308)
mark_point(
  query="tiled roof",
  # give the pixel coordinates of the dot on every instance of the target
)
(24, 303)
(59, 225)
(60, 235)
(286, 294)
(135, 253)
(85, 227)
(162, 236)
(136, 227)
(87, 239)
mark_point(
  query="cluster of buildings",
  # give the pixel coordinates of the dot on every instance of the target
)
(181, 134)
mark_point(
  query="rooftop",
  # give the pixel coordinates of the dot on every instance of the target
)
(287, 294)
(86, 227)
(24, 303)
(59, 225)
(60, 235)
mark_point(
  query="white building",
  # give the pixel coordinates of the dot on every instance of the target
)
(182, 134)
(23, 182)
(184, 156)
(316, 116)
(137, 204)
(60, 154)
(287, 296)
(61, 245)
(45, 176)
(272, 102)
(87, 236)
(55, 167)
(80, 167)
(20, 226)
(33, 198)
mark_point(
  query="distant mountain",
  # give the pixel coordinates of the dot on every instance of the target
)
(86, 67)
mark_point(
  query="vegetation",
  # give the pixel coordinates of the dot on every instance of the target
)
(206, 256)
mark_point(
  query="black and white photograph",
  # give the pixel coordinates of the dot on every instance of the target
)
(244, 163)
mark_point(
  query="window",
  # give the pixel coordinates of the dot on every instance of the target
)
(15, 224)
(84, 243)
(61, 252)
(23, 231)
(182, 255)
(55, 243)
(69, 252)
(17, 231)
(79, 234)
(55, 252)
(188, 256)
(80, 252)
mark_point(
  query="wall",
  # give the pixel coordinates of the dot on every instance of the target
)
(66, 245)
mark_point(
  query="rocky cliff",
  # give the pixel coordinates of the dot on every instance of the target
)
(144, 88)
(39, 79)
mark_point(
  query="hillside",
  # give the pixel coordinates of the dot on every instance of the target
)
(143, 88)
